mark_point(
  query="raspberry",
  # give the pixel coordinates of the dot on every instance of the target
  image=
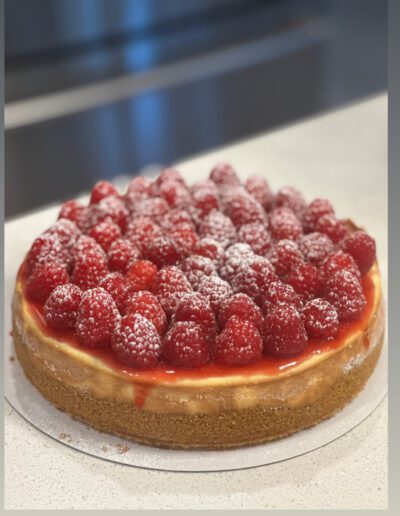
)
(136, 343)
(316, 247)
(61, 308)
(105, 234)
(314, 211)
(242, 208)
(210, 248)
(215, 289)
(66, 231)
(284, 224)
(101, 190)
(175, 194)
(119, 288)
(335, 229)
(224, 175)
(292, 198)
(197, 308)
(283, 331)
(241, 306)
(162, 251)
(238, 344)
(259, 188)
(90, 266)
(285, 255)
(45, 277)
(254, 277)
(256, 236)
(362, 248)
(306, 281)
(185, 239)
(185, 345)
(115, 208)
(169, 285)
(84, 244)
(155, 208)
(169, 174)
(175, 218)
(146, 304)
(72, 210)
(45, 248)
(196, 268)
(215, 225)
(138, 189)
(121, 255)
(205, 200)
(142, 231)
(344, 292)
(279, 293)
(141, 275)
(320, 319)
(207, 184)
(339, 261)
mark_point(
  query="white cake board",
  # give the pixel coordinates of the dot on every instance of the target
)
(27, 401)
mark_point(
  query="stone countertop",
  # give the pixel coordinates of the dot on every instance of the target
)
(343, 155)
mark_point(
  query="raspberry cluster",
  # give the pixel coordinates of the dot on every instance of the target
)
(219, 271)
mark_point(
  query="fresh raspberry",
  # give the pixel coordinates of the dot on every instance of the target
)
(175, 218)
(115, 208)
(314, 211)
(344, 292)
(196, 268)
(238, 344)
(292, 198)
(45, 248)
(170, 285)
(142, 231)
(339, 261)
(219, 227)
(254, 277)
(146, 304)
(284, 224)
(61, 308)
(136, 343)
(72, 210)
(285, 255)
(105, 234)
(306, 281)
(168, 174)
(162, 251)
(316, 247)
(185, 345)
(138, 189)
(176, 195)
(259, 188)
(101, 190)
(210, 248)
(256, 236)
(90, 267)
(215, 289)
(155, 208)
(141, 275)
(197, 308)
(362, 248)
(279, 293)
(243, 209)
(84, 244)
(238, 251)
(119, 288)
(66, 231)
(335, 229)
(241, 306)
(121, 255)
(283, 331)
(206, 184)
(45, 277)
(320, 319)
(224, 175)
(185, 239)
(205, 200)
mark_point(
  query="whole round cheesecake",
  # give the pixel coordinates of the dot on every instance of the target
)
(215, 315)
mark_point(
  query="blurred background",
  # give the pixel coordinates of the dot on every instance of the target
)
(99, 88)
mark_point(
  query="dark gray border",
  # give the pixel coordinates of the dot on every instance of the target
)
(2, 243)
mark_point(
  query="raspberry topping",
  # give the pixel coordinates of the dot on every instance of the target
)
(215, 289)
(362, 248)
(210, 248)
(241, 306)
(279, 293)
(105, 234)
(260, 190)
(121, 255)
(219, 227)
(90, 266)
(242, 208)
(224, 175)
(291, 198)
(45, 277)
(314, 211)
(283, 331)
(162, 251)
(185, 239)
(97, 317)
(339, 261)
(284, 224)
(116, 285)
(175, 218)
(320, 319)
(344, 292)
(316, 247)
(332, 227)
(136, 342)
(238, 344)
(205, 200)
(185, 345)
(306, 281)
(142, 231)
(284, 256)
(254, 277)
(197, 308)
(84, 244)
(196, 268)
(66, 231)
(175, 193)
(45, 248)
(72, 210)
(169, 174)
(101, 190)
(155, 208)
(61, 307)
(169, 285)
(141, 275)
(256, 236)
(146, 304)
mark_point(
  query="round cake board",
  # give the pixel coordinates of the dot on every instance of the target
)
(29, 403)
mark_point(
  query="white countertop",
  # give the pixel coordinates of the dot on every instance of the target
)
(341, 155)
